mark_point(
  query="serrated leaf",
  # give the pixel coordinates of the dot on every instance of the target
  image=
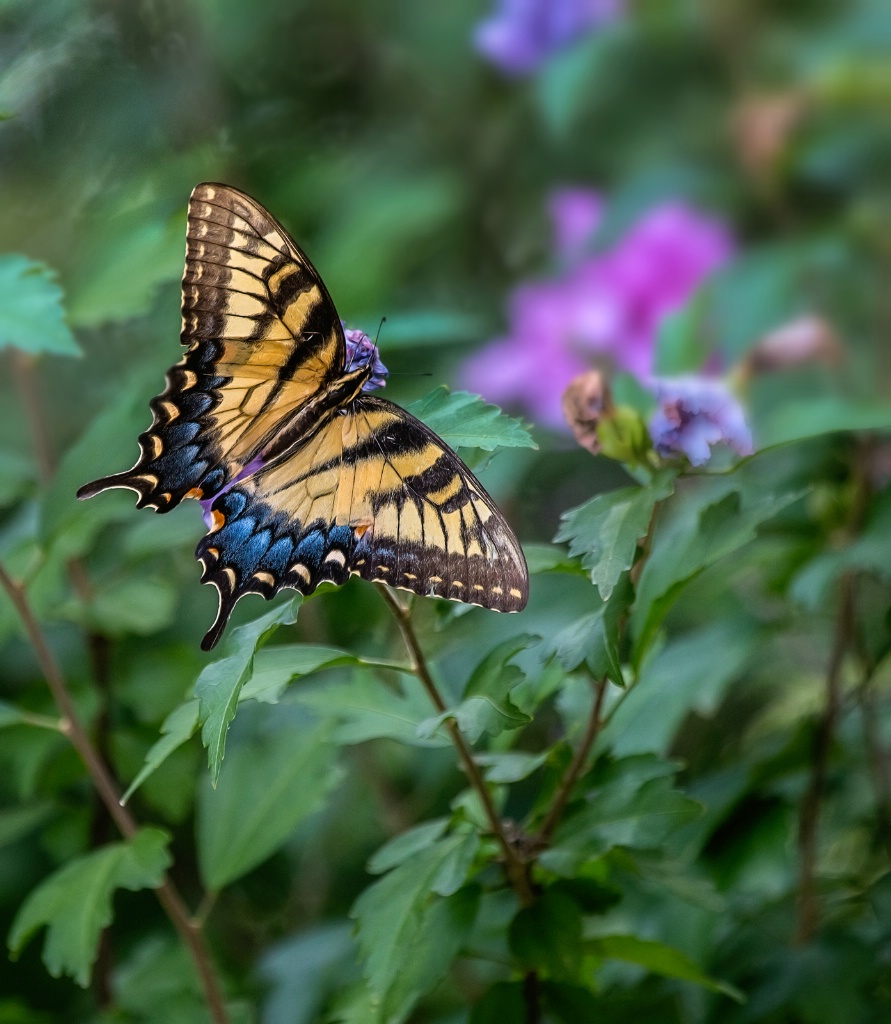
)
(176, 729)
(707, 519)
(219, 685)
(32, 318)
(463, 420)
(365, 709)
(594, 638)
(407, 934)
(551, 558)
(75, 902)
(268, 785)
(405, 845)
(606, 530)
(486, 706)
(630, 803)
(275, 668)
(659, 959)
(510, 766)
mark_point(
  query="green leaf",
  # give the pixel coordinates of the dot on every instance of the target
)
(275, 668)
(365, 709)
(815, 416)
(268, 785)
(407, 934)
(707, 519)
(406, 845)
(301, 972)
(630, 803)
(120, 270)
(594, 638)
(510, 766)
(463, 420)
(692, 673)
(137, 606)
(176, 729)
(75, 901)
(108, 443)
(17, 822)
(606, 530)
(31, 315)
(551, 558)
(659, 959)
(547, 936)
(486, 706)
(219, 685)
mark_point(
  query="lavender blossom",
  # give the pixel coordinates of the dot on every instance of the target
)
(695, 414)
(605, 307)
(362, 351)
(520, 34)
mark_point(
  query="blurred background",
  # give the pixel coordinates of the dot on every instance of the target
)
(524, 191)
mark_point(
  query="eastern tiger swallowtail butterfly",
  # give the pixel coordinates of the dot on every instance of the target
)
(303, 475)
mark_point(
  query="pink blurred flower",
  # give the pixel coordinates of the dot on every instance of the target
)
(520, 34)
(606, 307)
(695, 414)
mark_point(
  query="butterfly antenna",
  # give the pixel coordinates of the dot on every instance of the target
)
(378, 333)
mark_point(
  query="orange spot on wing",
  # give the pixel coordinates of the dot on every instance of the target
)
(196, 492)
(217, 519)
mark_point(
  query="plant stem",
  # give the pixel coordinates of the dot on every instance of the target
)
(167, 893)
(576, 766)
(808, 907)
(516, 870)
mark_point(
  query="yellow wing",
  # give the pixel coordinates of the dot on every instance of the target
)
(374, 493)
(263, 338)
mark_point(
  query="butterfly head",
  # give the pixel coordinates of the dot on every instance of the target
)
(362, 351)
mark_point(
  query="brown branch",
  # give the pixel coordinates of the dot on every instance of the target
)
(532, 998)
(167, 893)
(576, 766)
(516, 870)
(808, 906)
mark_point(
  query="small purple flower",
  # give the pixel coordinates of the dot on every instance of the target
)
(606, 307)
(520, 34)
(695, 414)
(362, 351)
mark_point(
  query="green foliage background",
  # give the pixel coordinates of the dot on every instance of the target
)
(342, 869)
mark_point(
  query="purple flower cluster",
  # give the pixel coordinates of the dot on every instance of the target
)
(695, 414)
(606, 306)
(360, 351)
(521, 34)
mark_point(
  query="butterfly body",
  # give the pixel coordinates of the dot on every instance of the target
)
(304, 476)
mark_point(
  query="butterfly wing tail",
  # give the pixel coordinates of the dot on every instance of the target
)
(108, 483)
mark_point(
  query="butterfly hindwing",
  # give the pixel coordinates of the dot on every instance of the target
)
(262, 338)
(377, 494)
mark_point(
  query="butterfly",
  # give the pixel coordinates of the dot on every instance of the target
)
(303, 474)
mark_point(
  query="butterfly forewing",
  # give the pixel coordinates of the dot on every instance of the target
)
(263, 337)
